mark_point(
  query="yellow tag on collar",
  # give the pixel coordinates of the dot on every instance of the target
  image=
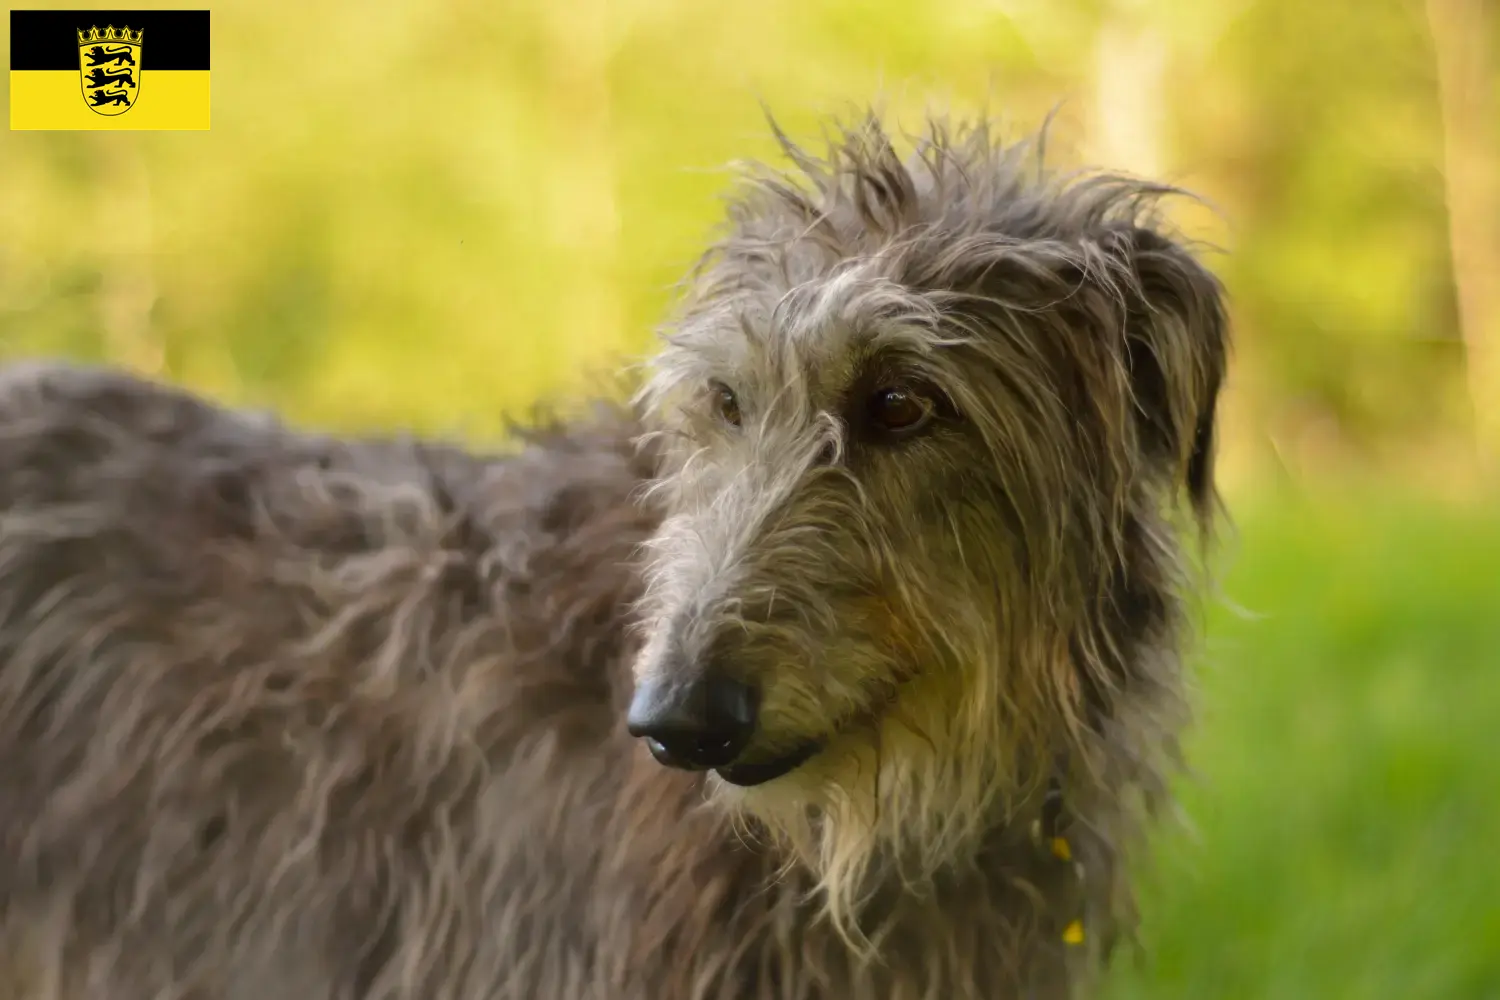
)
(1073, 933)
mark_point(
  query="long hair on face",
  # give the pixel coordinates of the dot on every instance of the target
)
(1084, 346)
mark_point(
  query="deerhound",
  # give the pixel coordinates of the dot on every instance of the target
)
(888, 560)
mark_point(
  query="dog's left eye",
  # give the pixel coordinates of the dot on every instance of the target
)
(726, 404)
(899, 410)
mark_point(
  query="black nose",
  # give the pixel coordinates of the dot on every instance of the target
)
(696, 725)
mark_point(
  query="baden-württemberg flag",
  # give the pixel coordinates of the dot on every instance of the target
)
(109, 69)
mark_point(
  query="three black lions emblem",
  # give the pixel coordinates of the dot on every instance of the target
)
(110, 64)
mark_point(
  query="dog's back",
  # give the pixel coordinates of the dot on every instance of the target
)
(260, 694)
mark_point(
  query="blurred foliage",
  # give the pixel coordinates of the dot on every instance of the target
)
(430, 215)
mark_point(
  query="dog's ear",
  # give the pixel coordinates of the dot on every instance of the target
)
(1176, 352)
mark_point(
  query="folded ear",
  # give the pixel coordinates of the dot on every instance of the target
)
(1176, 352)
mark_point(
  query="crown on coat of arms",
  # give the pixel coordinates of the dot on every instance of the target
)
(109, 34)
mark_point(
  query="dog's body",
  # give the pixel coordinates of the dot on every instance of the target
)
(285, 715)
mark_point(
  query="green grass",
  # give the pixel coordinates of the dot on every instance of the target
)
(1345, 808)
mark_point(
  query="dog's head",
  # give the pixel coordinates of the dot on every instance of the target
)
(921, 422)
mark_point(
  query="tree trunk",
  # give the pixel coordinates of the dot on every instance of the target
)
(1462, 32)
(1130, 63)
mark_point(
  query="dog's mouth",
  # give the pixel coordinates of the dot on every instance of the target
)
(749, 774)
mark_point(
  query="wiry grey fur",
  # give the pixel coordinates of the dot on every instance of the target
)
(283, 715)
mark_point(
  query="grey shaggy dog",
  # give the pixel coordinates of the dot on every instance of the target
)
(888, 560)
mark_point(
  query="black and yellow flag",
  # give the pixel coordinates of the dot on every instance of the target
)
(109, 69)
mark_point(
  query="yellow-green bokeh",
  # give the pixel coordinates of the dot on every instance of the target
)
(427, 214)
(431, 214)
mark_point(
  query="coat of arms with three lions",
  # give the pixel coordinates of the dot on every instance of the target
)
(110, 64)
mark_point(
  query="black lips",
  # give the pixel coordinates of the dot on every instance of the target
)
(747, 775)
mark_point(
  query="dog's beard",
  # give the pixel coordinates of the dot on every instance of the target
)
(899, 796)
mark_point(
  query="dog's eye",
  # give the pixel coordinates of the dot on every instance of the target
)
(898, 410)
(726, 404)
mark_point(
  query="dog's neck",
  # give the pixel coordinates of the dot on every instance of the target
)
(1032, 902)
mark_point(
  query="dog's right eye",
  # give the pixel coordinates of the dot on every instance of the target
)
(898, 410)
(726, 404)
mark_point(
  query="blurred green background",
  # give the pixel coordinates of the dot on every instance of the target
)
(430, 215)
